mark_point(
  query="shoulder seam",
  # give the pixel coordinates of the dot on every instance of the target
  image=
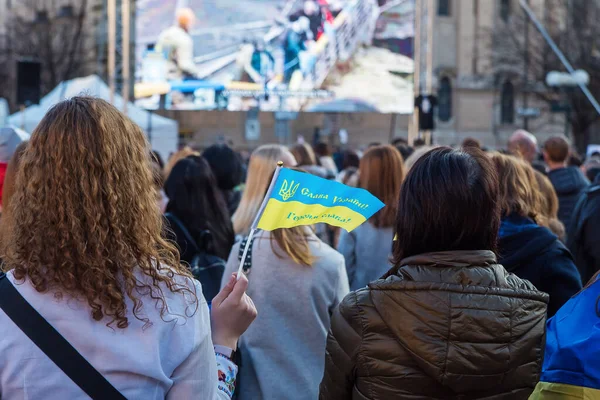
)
(362, 333)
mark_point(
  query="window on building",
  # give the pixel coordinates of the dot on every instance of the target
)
(505, 9)
(41, 17)
(445, 100)
(66, 12)
(507, 103)
(444, 8)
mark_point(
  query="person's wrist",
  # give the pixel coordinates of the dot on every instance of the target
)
(220, 340)
(226, 352)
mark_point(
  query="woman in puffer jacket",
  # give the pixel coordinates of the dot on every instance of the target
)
(447, 321)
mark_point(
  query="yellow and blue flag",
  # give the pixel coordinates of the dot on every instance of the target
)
(299, 198)
(571, 369)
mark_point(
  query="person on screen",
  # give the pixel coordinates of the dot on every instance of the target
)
(177, 45)
(295, 43)
(262, 62)
(336, 7)
(312, 12)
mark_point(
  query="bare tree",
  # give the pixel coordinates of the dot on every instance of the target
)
(56, 36)
(573, 26)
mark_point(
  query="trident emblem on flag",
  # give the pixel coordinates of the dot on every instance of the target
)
(288, 190)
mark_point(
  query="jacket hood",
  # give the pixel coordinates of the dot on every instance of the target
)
(521, 248)
(465, 321)
(567, 180)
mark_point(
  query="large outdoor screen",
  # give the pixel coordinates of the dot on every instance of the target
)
(277, 55)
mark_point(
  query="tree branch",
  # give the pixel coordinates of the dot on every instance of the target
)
(76, 40)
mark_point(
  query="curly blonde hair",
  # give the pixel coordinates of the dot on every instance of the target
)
(548, 206)
(83, 219)
(519, 190)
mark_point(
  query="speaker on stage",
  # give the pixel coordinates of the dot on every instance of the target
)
(28, 82)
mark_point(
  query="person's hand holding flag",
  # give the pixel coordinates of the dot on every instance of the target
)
(296, 198)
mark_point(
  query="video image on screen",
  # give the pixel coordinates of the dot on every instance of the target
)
(276, 55)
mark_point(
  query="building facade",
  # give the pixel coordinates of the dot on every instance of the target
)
(62, 35)
(477, 97)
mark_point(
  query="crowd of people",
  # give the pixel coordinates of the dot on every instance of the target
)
(455, 289)
(307, 25)
(304, 26)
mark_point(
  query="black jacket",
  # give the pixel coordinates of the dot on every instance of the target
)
(569, 184)
(583, 234)
(537, 255)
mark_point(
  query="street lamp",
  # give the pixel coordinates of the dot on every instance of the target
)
(567, 82)
(564, 79)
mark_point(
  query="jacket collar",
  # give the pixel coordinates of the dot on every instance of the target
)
(467, 268)
(458, 258)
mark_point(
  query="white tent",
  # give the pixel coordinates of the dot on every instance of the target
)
(163, 132)
(3, 112)
(10, 139)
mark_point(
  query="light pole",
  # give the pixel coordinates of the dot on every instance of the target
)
(526, 74)
(559, 53)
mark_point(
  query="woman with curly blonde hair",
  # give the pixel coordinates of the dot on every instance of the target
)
(527, 248)
(82, 243)
(549, 206)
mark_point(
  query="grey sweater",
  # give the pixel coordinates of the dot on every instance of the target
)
(367, 252)
(283, 351)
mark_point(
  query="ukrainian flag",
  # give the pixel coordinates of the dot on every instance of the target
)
(571, 369)
(298, 198)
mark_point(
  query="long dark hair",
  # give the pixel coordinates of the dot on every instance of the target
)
(448, 201)
(350, 159)
(226, 165)
(196, 200)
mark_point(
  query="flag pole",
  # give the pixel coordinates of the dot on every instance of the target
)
(258, 216)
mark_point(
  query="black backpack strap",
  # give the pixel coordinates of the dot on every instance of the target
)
(182, 228)
(56, 347)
